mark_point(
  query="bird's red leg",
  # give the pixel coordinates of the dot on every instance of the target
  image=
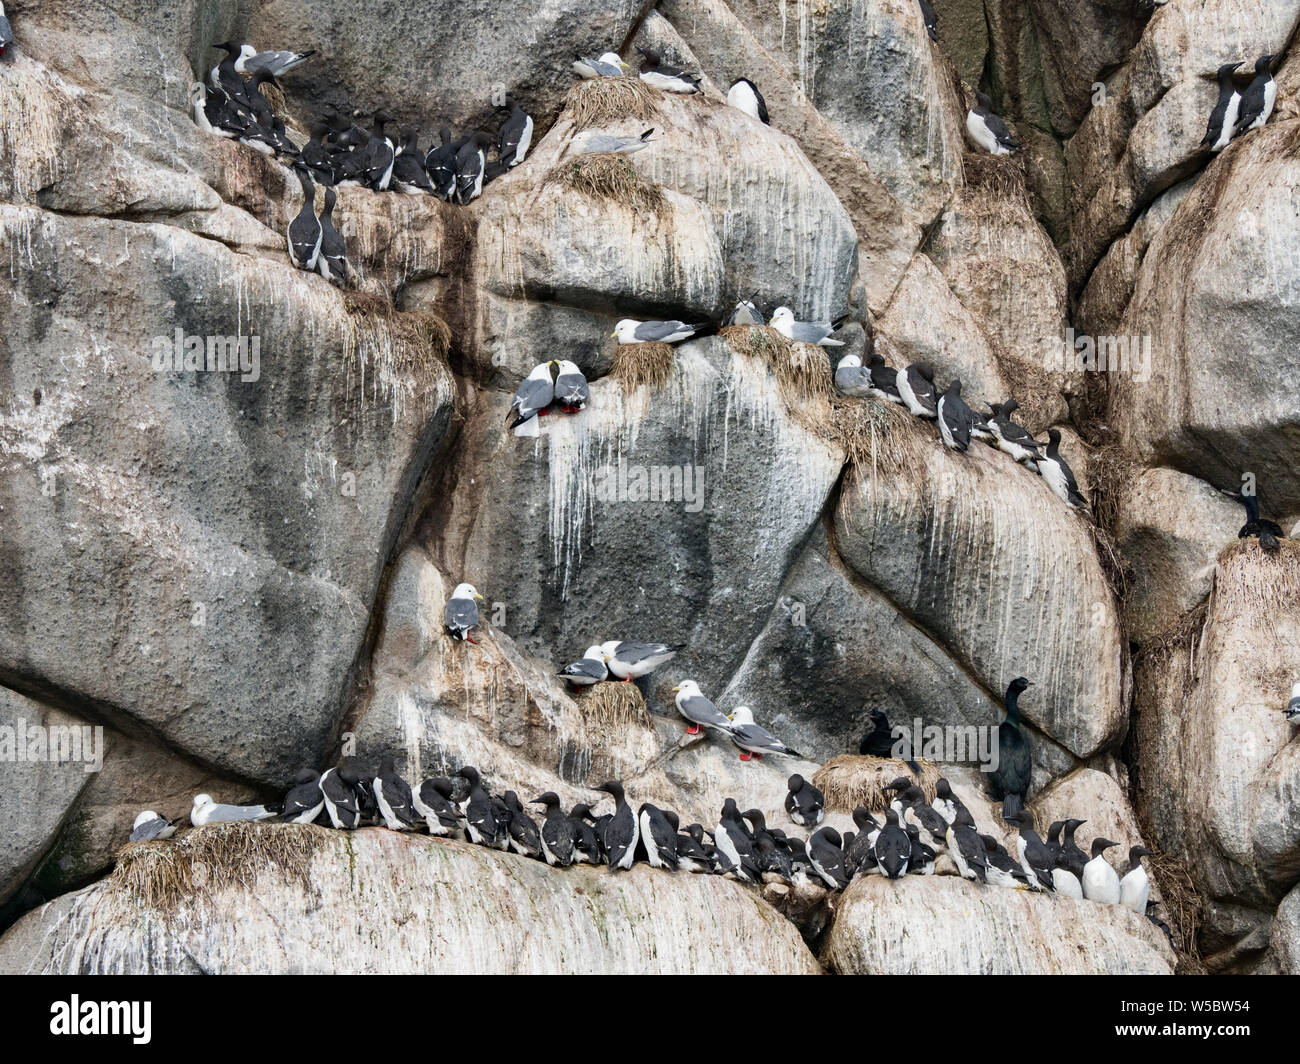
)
(744, 757)
(694, 729)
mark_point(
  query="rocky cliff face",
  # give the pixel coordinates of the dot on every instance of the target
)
(231, 573)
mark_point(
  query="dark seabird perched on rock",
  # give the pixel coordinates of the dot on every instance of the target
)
(692, 854)
(515, 136)
(734, 843)
(6, 33)
(332, 262)
(433, 801)
(946, 803)
(1057, 473)
(1067, 875)
(967, 848)
(471, 163)
(379, 155)
(631, 331)
(921, 813)
(1011, 438)
(826, 852)
(1135, 887)
(884, 379)
(931, 20)
(571, 388)
(1011, 778)
(1223, 119)
(1258, 99)
(859, 855)
(534, 395)
(393, 796)
(1292, 711)
(149, 826)
(988, 130)
(893, 848)
(955, 418)
(852, 377)
(921, 862)
(1100, 881)
(589, 669)
(460, 615)
(753, 740)
(316, 157)
(744, 96)
(623, 831)
(209, 111)
(274, 63)
(409, 175)
(916, 388)
(698, 710)
(440, 164)
(558, 834)
(629, 661)
(804, 803)
(305, 233)
(226, 77)
(342, 801)
(805, 332)
(1266, 531)
(305, 800)
(658, 836)
(481, 823)
(521, 830)
(1001, 869)
(587, 847)
(1035, 856)
(659, 75)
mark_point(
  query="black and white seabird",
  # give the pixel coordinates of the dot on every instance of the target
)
(930, 19)
(659, 75)
(734, 843)
(967, 848)
(525, 839)
(753, 740)
(884, 379)
(460, 616)
(1001, 869)
(921, 813)
(859, 855)
(629, 661)
(988, 130)
(515, 136)
(1058, 474)
(692, 853)
(409, 175)
(471, 163)
(804, 803)
(305, 233)
(558, 834)
(440, 164)
(1011, 438)
(1100, 881)
(826, 853)
(316, 157)
(209, 111)
(378, 156)
(305, 800)
(805, 332)
(1258, 100)
(433, 801)
(916, 388)
(6, 33)
(1292, 711)
(921, 862)
(225, 76)
(342, 803)
(1067, 875)
(698, 710)
(332, 262)
(206, 811)
(893, 848)
(587, 845)
(1135, 887)
(744, 96)
(481, 822)
(1223, 119)
(658, 836)
(623, 830)
(148, 826)
(1267, 532)
(275, 63)
(1036, 857)
(631, 331)
(590, 669)
(852, 377)
(955, 418)
(393, 796)
(946, 803)
(571, 388)
(1011, 778)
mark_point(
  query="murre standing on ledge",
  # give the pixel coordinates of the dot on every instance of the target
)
(955, 418)
(988, 130)
(658, 836)
(1261, 528)
(305, 233)
(480, 818)
(916, 388)
(884, 379)
(1058, 474)
(967, 848)
(1223, 119)
(342, 802)
(515, 136)
(804, 803)
(826, 853)
(622, 831)
(893, 848)
(525, 839)
(1067, 876)
(558, 832)
(1035, 855)
(1015, 765)
(1258, 100)
(305, 800)
(734, 843)
(393, 796)
(945, 803)
(460, 616)
(744, 96)
(698, 710)
(471, 163)
(432, 800)
(332, 262)
(1100, 881)
(1135, 887)
(1012, 438)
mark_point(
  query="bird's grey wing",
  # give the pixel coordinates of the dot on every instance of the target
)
(700, 710)
(631, 653)
(572, 386)
(533, 396)
(460, 613)
(150, 829)
(658, 330)
(810, 332)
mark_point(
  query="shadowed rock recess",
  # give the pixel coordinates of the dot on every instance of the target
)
(214, 574)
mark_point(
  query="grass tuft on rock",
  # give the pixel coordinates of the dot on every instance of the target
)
(407, 344)
(1251, 579)
(851, 780)
(881, 439)
(613, 705)
(802, 371)
(170, 874)
(642, 365)
(608, 177)
(995, 186)
(1183, 906)
(603, 100)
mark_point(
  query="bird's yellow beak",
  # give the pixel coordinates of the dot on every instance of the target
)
(614, 334)
(677, 688)
(479, 597)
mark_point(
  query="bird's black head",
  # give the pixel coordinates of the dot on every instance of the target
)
(964, 819)
(943, 789)
(1054, 436)
(878, 717)
(582, 811)
(925, 371)
(795, 782)
(899, 784)
(984, 100)
(674, 821)
(955, 387)
(1263, 63)
(863, 819)
(305, 775)
(1019, 684)
(613, 788)
(1100, 846)
(1228, 69)
(1136, 853)
(550, 800)
(1024, 820)
(469, 772)
(756, 819)
(1071, 826)
(832, 836)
